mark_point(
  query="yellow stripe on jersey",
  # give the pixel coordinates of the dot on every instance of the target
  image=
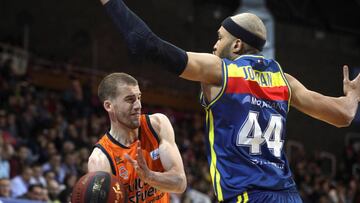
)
(263, 78)
(246, 197)
(215, 175)
(287, 83)
(222, 87)
(243, 198)
(239, 199)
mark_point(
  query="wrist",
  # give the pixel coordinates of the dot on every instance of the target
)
(150, 178)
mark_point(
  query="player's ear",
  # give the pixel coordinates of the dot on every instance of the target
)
(107, 105)
(237, 46)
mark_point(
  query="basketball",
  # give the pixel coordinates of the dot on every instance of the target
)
(98, 187)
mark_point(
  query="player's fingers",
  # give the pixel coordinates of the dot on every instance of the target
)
(140, 155)
(346, 73)
(140, 158)
(132, 161)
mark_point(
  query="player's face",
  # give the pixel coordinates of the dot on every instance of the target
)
(222, 47)
(127, 106)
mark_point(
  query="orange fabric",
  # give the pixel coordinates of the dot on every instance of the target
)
(137, 190)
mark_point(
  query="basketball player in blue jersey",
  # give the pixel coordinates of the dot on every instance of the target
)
(246, 98)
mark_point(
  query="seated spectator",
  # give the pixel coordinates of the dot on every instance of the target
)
(38, 177)
(68, 147)
(69, 183)
(49, 175)
(54, 164)
(20, 183)
(21, 159)
(5, 125)
(4, 187)
(54, 191)
(35, 192)
(4, 164)
(69, 166)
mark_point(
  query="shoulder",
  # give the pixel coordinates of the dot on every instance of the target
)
(161, 124)
(97, 154)
(295, 85)
(158, 120)
(98, 159)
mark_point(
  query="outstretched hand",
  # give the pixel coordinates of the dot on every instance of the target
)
(139, 164)
(351, 87)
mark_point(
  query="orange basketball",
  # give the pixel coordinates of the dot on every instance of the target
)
(98, 187)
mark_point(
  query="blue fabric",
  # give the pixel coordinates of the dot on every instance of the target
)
(142, 42)
(287, 196)
(249, 163)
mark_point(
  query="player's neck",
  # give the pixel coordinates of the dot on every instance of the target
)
(124, 136)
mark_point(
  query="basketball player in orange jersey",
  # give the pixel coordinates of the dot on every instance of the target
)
(139, 149)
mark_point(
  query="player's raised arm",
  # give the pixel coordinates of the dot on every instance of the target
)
(173, 179)
(338, 111)
(143, 43)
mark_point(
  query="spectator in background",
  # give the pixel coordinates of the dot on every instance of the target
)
(54, 191)
(73, 134)
(68, 147)
(38, 177)
(73, 98)
(49, 175)
(69, 166)
(4, 187)
(4, 128)
(54, 164)
(84, 154)
(20, 160)
(12, 125)
(35, 192)
(4, 164)
(20, 183)
(69, 183)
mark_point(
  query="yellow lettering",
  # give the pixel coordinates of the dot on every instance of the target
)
(263, 78)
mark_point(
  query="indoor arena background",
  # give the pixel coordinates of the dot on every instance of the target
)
(53, 54)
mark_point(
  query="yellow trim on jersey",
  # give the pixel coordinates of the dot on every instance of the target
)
(243, 198)
(222, 87)
(287, 84)
(256, 56)
(246, 197)
(263, 78)
(239, 199)
(215, 175)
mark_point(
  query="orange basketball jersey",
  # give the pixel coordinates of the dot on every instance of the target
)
(137, 190)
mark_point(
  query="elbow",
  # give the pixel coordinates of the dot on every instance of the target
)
(182, 184)
(345, 121)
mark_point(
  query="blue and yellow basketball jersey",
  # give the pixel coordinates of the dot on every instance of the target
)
(246, 129)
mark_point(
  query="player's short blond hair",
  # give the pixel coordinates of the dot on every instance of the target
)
(108, 87)
(251, 23)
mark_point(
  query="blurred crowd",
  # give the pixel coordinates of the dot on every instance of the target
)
(46, 137)
(317, 185)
